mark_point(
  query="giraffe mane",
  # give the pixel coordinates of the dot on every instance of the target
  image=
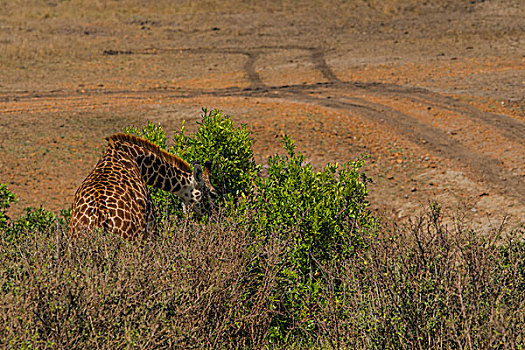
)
(170, 158)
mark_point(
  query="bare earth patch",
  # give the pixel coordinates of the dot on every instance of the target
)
(434, 93)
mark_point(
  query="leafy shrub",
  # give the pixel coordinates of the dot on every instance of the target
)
(324, 214)
(64, 217)
(6, 198)
(228, 147)
(33, 219)
(151, 132)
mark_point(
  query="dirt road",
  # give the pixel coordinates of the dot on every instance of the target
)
(434, 93)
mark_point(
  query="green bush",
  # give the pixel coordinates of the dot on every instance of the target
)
(33, 219)
(322, 213)
(152, 132)
(6, 198)
(228, 147)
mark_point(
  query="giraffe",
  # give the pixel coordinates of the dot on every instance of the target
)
(114, 197)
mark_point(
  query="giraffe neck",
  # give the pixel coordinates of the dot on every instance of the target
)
(159, 173)
(158, 168)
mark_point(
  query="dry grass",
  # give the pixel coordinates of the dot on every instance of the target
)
(417, 287)
(178, 290)
(46, 30)
(426, 286)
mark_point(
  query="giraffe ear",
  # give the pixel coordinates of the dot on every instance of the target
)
(197, 173)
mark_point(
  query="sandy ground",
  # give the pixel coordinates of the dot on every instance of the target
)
(433, 93)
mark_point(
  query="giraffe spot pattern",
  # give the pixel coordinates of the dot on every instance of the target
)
(115, 195)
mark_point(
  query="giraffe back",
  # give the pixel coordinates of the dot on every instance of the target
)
(114, 197)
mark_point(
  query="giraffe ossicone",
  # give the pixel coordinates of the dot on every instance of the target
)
(115, 197)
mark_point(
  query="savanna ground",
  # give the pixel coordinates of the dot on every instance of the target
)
(433, 92)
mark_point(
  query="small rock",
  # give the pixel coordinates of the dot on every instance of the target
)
(413, 189)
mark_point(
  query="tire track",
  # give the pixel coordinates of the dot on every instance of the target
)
(512, 129)
(251, 74)
(482, 167)
(317, 56)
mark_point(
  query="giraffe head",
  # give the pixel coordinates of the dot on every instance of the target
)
(203, 195)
